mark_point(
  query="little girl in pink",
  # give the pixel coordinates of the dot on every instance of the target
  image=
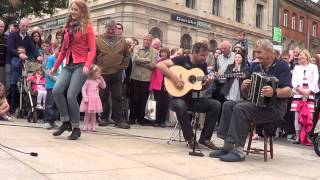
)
(37, 84)
(91, 103)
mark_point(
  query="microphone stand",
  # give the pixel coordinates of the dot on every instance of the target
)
(196, 152)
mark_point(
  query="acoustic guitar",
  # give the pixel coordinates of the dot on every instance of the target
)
(192, 80)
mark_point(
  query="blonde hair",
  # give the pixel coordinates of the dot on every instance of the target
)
(307, 53)
(84, 14)
(94, 68)
(3, 88)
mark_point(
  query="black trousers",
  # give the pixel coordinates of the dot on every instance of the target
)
(13, 97)
(138, 99)
(204, 105)
(236, 117)
(289, 119)
(162, 100)
(114, 86)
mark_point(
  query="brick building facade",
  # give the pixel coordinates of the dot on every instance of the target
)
(300, 24)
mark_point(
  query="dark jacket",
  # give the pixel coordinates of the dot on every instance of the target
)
(244, 46)
(15, 40)
(3, 49)
(226, 87)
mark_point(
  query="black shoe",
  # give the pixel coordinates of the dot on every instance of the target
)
(208, 144)
(103, 123)
(65, 126)
(122, 125)
(163, 125)
(141, 122)
(76, 133)
(191, 144)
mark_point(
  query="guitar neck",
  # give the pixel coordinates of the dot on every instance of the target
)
(220, 76)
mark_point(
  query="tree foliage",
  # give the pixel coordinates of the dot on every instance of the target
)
(31, 7)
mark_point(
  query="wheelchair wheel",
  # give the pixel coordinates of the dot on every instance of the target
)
(316, 145)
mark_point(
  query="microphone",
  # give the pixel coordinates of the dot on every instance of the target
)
(34, 154)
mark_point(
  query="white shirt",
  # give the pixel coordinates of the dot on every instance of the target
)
(310, 72)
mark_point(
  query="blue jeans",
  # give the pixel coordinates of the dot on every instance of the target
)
(70, 82)
(51, 113)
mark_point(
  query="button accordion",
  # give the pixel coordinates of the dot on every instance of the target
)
(258, 81)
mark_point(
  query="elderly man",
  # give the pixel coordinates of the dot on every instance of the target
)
(113, 57)
(224, 59)
(143, 64)
(156, 44)
(236, 116)
(3, 51)
(15, 40)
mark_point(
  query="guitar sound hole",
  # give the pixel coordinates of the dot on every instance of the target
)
(192, 79)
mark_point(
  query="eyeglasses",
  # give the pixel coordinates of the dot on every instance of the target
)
(119, 28)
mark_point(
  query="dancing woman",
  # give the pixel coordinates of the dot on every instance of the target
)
(79, 50)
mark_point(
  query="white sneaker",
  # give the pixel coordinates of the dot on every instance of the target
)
(47, 126)
(8, 118)
(39, 106)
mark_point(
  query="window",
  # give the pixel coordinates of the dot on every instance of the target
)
(186, 42)
(190, 3)
(285, 18)
(301, 24)
(314, 29)
(239, 9)
(212, 45)
(259, 15)
(156, 33)
(293, 22)
(215, 7)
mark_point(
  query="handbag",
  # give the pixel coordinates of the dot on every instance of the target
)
(150, 110)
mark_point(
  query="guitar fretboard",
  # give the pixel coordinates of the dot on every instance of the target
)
(222, 76)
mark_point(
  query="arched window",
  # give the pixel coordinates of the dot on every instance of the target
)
(156, 33)
(186, 41)
(212, 45)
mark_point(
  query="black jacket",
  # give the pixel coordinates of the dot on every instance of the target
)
(3, 49)
(226, 87)
(15, 40)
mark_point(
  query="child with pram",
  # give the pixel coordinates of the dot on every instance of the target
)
(37, 83)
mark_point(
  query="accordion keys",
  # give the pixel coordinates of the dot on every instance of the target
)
(258, 81)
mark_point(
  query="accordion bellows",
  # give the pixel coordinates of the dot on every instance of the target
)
(258, 81)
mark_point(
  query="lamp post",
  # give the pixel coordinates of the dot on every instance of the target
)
(276, 31)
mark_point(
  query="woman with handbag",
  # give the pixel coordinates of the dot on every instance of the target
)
(79, 49)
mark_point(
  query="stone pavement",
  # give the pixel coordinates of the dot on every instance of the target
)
(113, 153)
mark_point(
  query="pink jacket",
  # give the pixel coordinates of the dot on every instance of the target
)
(83, 48)
(36, 84)
(305, 119)
(156, 78)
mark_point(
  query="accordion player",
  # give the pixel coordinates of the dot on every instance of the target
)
(258, 81)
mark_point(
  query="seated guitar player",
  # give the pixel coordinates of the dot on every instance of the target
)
(191, 101)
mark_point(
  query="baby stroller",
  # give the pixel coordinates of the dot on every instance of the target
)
(27, 97)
